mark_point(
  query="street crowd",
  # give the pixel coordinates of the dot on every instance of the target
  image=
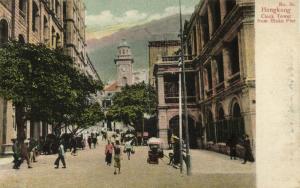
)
(30, 149)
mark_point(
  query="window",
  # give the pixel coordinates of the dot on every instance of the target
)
(210, 126)
(209, 76)
(22, 8)
(205, 28)
(230, 5)
(3, 31)
(53, 37)
(195, 40)
(124, 81)
(171, 88)
(216, 14)
(219, 60)
(35, 16)
(235, 64)
(46, 29)
(21, 39)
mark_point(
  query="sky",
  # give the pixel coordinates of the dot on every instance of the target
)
(104, 17)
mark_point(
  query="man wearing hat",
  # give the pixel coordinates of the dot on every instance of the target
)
(17, 161)
(61, 156)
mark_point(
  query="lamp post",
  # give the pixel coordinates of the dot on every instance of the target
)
(188, 159)
(180, 114)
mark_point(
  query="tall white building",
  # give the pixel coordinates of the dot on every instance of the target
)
(124, 61)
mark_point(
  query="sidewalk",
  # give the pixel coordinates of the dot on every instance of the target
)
(5, 160)
(209, 162)
(88, 170)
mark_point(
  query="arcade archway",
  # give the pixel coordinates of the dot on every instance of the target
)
(174, 128)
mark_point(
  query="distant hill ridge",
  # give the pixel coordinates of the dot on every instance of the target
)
(102, 51)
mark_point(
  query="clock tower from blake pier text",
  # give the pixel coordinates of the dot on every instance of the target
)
(124, 62)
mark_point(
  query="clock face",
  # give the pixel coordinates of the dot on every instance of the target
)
(123, 69)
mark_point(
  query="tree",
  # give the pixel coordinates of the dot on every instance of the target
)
(87, 116)
(42, 83)
(132, 102)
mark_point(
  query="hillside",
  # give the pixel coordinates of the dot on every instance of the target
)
(102, 51)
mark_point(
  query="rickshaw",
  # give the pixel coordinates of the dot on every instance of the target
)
(155, 151)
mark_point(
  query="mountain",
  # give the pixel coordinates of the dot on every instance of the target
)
(102, 51)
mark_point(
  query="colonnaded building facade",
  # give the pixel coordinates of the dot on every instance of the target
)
(220, 73)
(48, 22)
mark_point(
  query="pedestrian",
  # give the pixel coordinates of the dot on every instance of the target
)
(74, 146)
(117, 158)
(231, 143)
(94, 140)
(90, 142)
(176, 151)
(32, 150)
(247, 153)
(61, 156)
(108, 152)
(25, 153)
(16, 150)
(128, 148)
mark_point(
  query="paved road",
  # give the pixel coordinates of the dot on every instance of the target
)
(88, 169)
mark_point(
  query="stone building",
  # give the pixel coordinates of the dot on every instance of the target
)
(219, 43)
(158, 49)
(74, 24)
(32, 21)
(140, 76)
(124, 61)
(48, 22)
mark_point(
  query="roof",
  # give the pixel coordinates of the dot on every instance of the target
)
(123, 43)
(111, 87)
(163, 43)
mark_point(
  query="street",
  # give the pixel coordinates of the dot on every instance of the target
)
(88, 169)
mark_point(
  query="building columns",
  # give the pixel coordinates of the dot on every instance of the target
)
(210, 20)
(226, 64)
(163, 127)
(201, 36)
(223, 10)
(214, 77)
(161, 89)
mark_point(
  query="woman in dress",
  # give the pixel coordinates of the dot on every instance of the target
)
(108, 153)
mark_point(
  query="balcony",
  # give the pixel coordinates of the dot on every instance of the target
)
(234, 78)
(170, 100)
(220, 87)
(209, 93)
(177, 57)
(22, 17)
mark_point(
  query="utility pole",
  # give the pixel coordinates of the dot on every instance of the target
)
(180, 114)
(188, 157)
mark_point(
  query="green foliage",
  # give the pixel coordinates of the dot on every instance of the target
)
(87, 116)
(43, 82)
(132, 102)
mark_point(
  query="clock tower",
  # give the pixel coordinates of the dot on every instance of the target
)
(124, 62)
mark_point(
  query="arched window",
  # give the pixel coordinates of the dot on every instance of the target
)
(57, 40)
(237, 125)
(236, 111)
(3, 31)
(53, 37)
(124, 81)
(221, 126)
(21, 39)
(210, 126)
(46, 29)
